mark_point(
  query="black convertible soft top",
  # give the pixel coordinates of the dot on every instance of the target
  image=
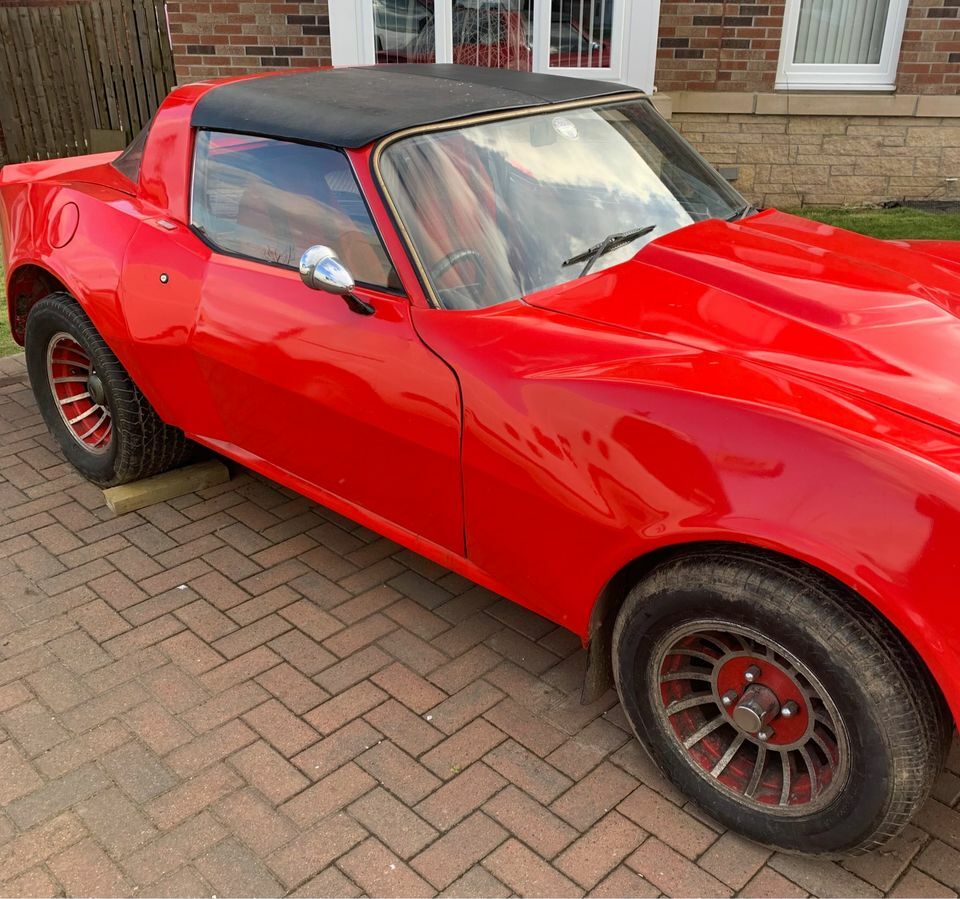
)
(351, 107)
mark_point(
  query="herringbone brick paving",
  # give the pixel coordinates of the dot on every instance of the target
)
(241, 693)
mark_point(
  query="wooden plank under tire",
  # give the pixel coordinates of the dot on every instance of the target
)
(161, 487)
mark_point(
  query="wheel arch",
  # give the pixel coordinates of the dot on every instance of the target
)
(28, 283)
(30, 280)
(598, 676)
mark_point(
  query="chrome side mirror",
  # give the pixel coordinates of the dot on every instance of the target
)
(321, 269)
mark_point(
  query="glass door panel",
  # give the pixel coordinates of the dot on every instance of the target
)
(581, 37)
(493, 33)
(580, 33)
(404, 30)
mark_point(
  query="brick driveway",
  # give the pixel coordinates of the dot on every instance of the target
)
(241, 693)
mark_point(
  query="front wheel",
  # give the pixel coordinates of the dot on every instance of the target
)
(105, 426)
(778, 702)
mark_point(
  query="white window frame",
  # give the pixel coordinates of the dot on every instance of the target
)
(881, 76)
(542, 15)
(632, 58)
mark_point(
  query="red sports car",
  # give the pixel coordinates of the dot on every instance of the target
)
(515, 323)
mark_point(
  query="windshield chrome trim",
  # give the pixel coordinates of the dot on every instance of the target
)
(452, 125)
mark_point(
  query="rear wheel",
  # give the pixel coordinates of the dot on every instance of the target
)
(103, 423)
(774, 698)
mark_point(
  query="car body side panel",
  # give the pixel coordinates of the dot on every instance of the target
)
(89, 263)
(354, 404)
(168, 155)
(585, 448)
(162, 277)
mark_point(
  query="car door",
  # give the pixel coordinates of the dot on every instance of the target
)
(354, 404)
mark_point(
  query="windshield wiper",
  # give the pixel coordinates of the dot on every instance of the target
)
(742, 212)
(608, 244)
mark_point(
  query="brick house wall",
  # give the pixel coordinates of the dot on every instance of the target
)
(930, 55)
(718, 46)
(213, 38)
(735, 46)
(716, 68)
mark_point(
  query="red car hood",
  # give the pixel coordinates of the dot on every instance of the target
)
(871, 317)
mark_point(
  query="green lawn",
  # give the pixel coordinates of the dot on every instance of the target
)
(885, 223)
(890, 224)
(7, 346)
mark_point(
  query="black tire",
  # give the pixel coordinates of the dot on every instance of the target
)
(141, 444)
(897, 727)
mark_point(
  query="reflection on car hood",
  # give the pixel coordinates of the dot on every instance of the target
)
(874, 318)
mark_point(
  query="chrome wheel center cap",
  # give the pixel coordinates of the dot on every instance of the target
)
(756, 707)
(95, 388)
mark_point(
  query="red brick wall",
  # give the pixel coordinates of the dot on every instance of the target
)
(718, 46)
(212, 37)
(930, 56)
(735, 46)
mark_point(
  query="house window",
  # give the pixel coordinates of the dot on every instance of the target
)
(841, 44)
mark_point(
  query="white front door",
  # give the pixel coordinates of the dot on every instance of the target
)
(614, 40)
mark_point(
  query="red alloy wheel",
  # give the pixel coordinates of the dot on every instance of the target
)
(751, 718)
(78, 392)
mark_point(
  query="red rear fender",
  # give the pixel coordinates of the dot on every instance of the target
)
(70, 238)
(69, 168)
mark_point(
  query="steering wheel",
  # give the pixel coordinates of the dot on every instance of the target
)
(459, 296)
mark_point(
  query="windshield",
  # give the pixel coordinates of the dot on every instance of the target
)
(495, 209)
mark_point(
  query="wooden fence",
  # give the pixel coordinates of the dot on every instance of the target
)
(80, 77)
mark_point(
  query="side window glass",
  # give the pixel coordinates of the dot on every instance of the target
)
(270, 200)
(128, 162)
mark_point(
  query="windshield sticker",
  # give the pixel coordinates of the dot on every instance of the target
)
(565, 128)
